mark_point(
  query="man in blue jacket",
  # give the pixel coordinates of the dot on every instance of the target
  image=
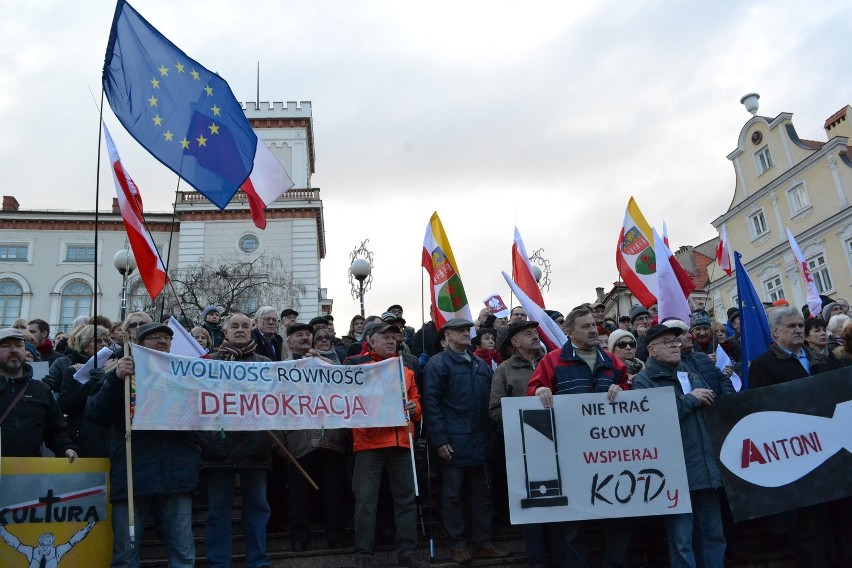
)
(165, 466)
(457, 390)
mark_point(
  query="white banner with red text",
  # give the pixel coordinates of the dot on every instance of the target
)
(185, 393)
(589, 458)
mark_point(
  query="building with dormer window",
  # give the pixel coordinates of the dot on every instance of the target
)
(784, 181)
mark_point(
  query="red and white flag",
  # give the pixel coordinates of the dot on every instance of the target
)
(548, 330)
(267, 181)
(522, 272)
(183, 343)
(814, 301)
(151, 268)
(671, 301)
(686, 283)
(723, 251)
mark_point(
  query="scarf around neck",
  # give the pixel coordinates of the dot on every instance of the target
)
(230, 352)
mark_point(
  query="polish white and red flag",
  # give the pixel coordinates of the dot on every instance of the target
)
(671, 301)
(183, 343)
(548, 330)
(148, 261)
(723, 251)
(522, 272)
(267, 181)
(814, 301)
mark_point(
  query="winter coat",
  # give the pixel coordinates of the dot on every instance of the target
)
(216, 334)
(700, 363)
(164, 461)
(36, 418)
(702, 470)
(425, 340)
(776, 366)
(92, 440)
(564, 372)
(456, 405)
(512, 378)
(236, 449)
(391, 437)
(263, 349)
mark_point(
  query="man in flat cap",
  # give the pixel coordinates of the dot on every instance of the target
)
(457, 388)
(703, 526)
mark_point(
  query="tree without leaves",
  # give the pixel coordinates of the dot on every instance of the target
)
(233, 285)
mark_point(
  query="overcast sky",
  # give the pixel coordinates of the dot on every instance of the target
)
(548, 115)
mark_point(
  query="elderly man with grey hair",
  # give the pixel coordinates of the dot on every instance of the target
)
(788, 358)
(265, 333)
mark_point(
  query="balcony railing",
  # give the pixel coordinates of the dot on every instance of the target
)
(194, 197)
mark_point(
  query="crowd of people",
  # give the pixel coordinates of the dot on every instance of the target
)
(455, 379)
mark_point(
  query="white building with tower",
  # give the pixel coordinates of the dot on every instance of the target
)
(48, 257)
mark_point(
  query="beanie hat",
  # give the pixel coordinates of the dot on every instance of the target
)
(617, 336)
(733, 313)
(209, 309)
(826, 310)
(697, 319)
(637, 311)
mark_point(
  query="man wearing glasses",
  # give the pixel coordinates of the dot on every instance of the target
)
(265, 333)
(664, 368)
(165, 465)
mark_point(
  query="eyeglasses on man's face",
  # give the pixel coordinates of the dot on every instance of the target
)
(669, 343)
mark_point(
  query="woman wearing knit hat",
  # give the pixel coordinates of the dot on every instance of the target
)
(622, 344)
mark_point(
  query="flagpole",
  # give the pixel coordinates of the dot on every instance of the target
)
(131, 510)
(169, 252)
(97, 218)
(408, 425)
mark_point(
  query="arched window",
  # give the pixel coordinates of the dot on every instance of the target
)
(10, 302)
(76, 301)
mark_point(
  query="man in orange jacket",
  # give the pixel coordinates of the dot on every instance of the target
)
(377, 449)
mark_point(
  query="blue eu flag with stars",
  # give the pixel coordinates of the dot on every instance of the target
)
(183, 114)
(754, 327)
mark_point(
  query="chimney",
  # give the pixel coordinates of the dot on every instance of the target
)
(599, 292)
(10, 203)
(115, 207)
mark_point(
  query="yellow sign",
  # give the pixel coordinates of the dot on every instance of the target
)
(54, 513)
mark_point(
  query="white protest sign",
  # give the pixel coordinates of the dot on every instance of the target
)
(588, 458)
(186, 393)
(82, 374)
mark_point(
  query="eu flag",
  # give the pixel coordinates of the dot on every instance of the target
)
(754, 327)
(184, 115)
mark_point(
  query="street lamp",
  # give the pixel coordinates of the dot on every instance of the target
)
(541, 269)
(360, 270)
(125, 264)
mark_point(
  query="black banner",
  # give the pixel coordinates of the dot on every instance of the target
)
(785, 446)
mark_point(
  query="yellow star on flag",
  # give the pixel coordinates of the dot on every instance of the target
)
(163, 70)
(169, 135)
(153, 101)
(202, 141)
(209, 90)
(158, 121)
(214, 129)
(179, 67)
(194, 74)
(215, 110)
(155, 83)
(184, 143)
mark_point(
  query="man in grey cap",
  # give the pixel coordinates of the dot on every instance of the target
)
(26, 423)
(665, 368)
(457, 390)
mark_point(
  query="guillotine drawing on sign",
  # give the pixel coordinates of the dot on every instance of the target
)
(541, 459)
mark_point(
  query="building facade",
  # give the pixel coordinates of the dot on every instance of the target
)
(49, 259)
(784, 182)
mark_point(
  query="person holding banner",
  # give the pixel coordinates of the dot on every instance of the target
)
(165, 466)
(385, 449)
(696, 538)
(457, 388)
(581, 367)
(23, 427)
(228, 454)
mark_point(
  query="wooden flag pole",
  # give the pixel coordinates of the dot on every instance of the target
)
(131, 513)
(293, 461)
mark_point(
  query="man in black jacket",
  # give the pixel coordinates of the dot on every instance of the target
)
(30, 418)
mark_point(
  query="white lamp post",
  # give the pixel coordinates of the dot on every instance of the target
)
(125, 264)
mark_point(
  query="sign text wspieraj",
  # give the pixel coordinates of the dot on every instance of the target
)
(54, 510)
(589, 458)
(185, 393)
